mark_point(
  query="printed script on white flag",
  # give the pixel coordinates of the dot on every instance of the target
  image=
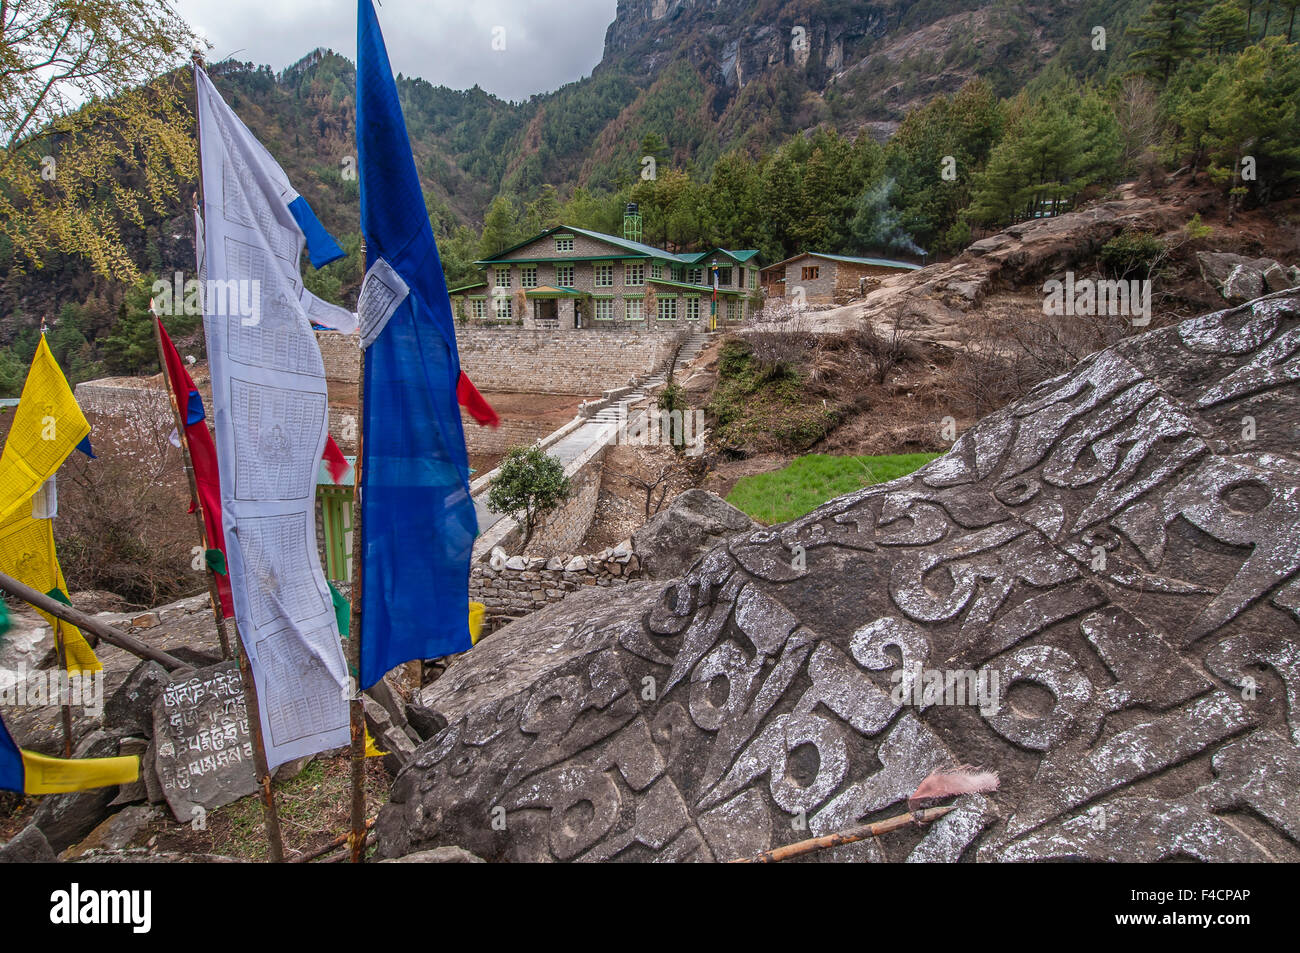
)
(271, 416)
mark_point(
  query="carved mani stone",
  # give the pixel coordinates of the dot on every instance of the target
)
(1095, 593)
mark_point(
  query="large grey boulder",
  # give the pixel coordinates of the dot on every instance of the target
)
(28, 846)
(66, 818)
(691, 525)
(1279, 278)
(1239, 278)
(1111, 564)
(1244, 283)
(130, 708)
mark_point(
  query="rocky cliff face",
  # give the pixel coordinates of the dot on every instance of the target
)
(734, 41)
(1096, 593)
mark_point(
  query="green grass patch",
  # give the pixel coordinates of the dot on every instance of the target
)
(810, 481)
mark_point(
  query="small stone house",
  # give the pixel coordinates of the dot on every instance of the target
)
(827, 279)
(570, 278)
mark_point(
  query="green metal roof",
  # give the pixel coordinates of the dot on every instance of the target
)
(739, 256)
(850, 259)
(702, 289)
(477, 284)
(631, 249)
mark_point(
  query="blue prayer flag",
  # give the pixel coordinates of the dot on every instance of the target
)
(11, 763)
(418, 524)
(194, 409)
(321, 246)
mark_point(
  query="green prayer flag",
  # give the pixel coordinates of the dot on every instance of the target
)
(216, 561)
(58, 595)
(342, 610)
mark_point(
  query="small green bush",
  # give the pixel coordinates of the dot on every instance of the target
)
(1131, 254)
(531, 483)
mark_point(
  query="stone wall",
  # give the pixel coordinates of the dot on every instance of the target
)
(511, 433)
(341, 355)
(518, 585)
(113, 397)
(516, 360)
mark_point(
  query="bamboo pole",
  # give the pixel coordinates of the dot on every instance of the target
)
(270, 814)
(214, 594)
(849, 836)
(87, 623)
(356, 714)
(61, 651)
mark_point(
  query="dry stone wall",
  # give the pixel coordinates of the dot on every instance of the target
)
(518, 585)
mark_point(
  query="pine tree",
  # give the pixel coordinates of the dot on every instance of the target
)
(499, 229)
(1166, 35)
(1222, 29)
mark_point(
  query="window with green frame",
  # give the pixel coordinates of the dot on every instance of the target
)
(656, 271)
(634, 312)
(564, 276)
(692, 308)
(563, 243)
(478, 308)
(503, 276)
(634, 273)
(528, 276)
(668, 308)
(604, 308)
(604, 277)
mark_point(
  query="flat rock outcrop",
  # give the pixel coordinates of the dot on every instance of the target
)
(1108, 567)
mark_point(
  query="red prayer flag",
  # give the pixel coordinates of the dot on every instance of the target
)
(203, 455)
(335, 462)
(467, 396)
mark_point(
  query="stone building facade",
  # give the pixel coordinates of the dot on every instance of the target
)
(571, 279)
(815, 278)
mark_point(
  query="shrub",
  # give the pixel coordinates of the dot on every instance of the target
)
(530, 484)
(1132, 254)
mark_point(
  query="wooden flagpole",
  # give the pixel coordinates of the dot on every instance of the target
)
(214, 594)
(356, 714)
(270, 814)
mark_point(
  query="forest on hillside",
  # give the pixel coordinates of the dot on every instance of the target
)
(1209, 86)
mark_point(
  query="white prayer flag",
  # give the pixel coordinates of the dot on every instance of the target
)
(270, 410)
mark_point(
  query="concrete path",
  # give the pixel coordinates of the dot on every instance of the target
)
(602, 428)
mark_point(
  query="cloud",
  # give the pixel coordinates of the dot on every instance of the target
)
(447, 42)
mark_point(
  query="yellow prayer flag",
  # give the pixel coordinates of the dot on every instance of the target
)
(46, 775)
(27, 554)
(476, 611)
(47, 427)
(372, 749)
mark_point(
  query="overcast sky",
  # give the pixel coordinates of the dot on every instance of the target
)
(448, 42)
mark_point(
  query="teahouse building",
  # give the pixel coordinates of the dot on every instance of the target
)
(827, 279)
(569, 278)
